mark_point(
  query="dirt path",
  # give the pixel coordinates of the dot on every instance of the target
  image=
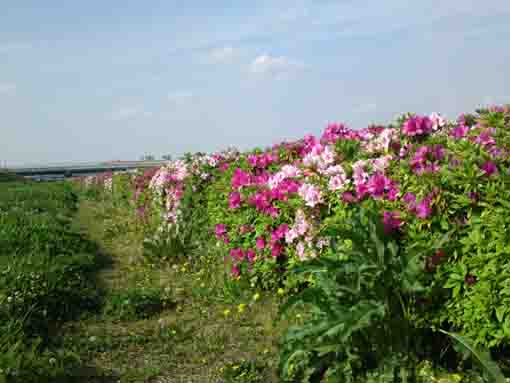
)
(184, 331)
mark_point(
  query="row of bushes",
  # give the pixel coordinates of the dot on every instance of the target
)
(439, 189)
(46, 277)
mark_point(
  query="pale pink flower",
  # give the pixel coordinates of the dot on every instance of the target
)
(311, 194)
(337, 182)
(437, 121)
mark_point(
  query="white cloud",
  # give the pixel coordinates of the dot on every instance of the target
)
(6, 88)
(220, 55)
(267, 64)
(129, 113)
(180, 98)
(10, 47)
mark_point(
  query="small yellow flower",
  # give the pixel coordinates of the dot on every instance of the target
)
(226, 312)
(241, 307)
(256, 297)
(281, 291)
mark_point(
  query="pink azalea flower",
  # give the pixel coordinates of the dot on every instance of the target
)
(311, 194)
(300, 248)
(337, 182)
(348, 197)
(437, 121)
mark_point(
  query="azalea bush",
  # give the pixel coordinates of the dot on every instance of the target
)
(270, 209)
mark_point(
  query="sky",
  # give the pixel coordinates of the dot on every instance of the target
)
(113, 80)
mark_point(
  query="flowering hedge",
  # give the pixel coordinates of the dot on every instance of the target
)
(271, 209)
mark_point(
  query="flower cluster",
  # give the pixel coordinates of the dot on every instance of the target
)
(271, 201)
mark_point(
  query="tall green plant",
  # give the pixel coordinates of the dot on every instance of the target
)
(360, 304)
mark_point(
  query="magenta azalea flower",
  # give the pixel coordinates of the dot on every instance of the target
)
(426, 159)
(237, 254)
(235, 272)
(485, 137)
(417, 125)
(250, 255)
(260, 243)
(240, 178)
(423, 209)
(224, 167)
(410, 200)
(335, 132)
(276, 249)
(234, 200)
(380, 186)
(221, 229)
(279, 233)
(459, 131)
(489, 168)
(391, 221)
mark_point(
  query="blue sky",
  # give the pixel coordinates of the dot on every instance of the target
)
(97, 80)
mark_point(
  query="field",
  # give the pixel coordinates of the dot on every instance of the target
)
(361, 256)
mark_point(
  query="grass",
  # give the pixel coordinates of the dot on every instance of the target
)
(187, 327)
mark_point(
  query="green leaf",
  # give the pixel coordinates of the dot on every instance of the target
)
(500, 313)
(482, 356)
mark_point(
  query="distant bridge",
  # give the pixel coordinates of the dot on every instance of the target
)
(72, 170)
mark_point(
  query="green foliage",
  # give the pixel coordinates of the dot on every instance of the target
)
(360, 303)
(245, 371)
(9, 177)
(482, 356)
(46, 276)
(137, 303)
(479, 280)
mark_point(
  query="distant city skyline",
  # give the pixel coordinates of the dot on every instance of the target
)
(97, 81)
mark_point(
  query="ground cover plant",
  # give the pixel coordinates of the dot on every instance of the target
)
(47, 276)
(266, 213)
